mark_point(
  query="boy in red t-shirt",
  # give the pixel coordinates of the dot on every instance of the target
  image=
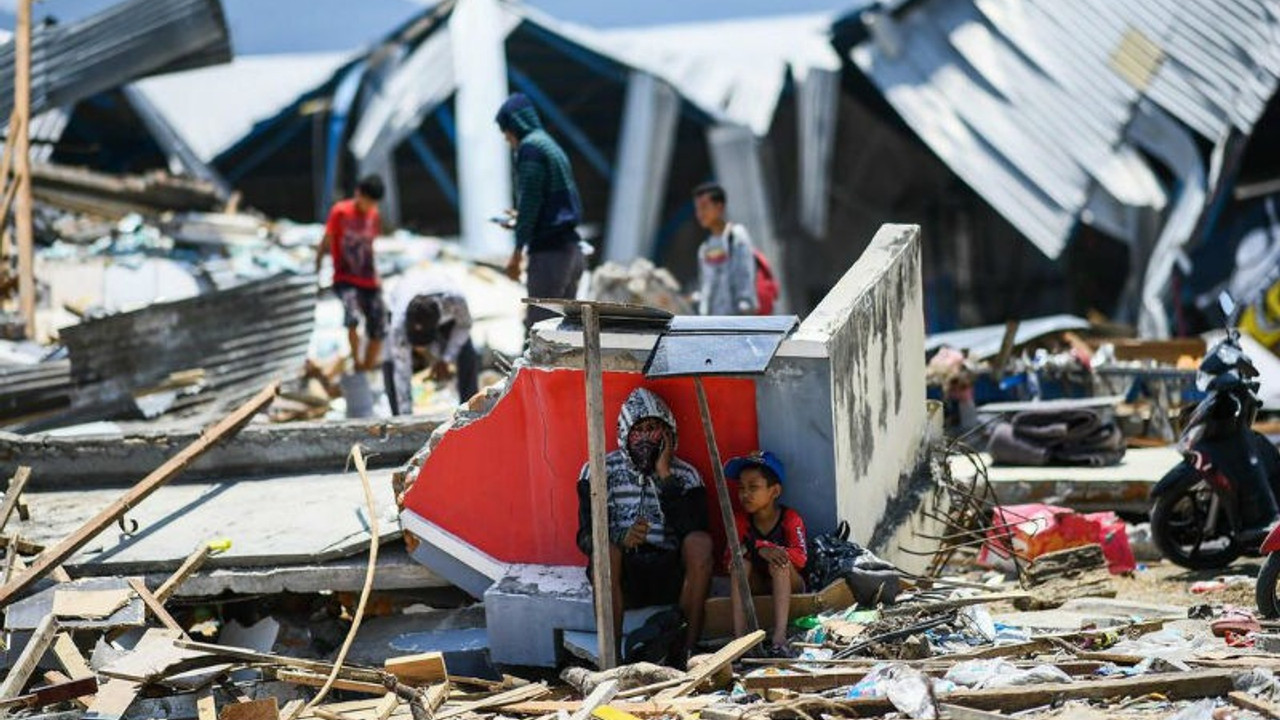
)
(773, 542)
(348, 239)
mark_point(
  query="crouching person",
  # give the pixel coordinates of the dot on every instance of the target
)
(773, 543)
(659, 547)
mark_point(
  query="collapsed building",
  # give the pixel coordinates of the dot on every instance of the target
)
(842, 403)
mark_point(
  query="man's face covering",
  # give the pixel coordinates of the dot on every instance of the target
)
(644, 443)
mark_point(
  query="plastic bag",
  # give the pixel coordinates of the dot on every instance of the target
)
(981, 674)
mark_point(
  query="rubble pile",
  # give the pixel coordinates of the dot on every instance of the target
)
(971, 641)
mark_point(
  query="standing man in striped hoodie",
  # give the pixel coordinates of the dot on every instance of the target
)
(547, 211)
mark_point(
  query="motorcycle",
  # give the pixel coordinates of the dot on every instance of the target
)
(1219, 503)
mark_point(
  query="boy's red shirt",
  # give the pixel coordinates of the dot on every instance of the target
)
(788, 534)
(352, 233)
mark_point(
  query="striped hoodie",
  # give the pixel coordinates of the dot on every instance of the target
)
(674, 509)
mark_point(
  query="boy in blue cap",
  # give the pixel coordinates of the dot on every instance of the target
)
(773, 542)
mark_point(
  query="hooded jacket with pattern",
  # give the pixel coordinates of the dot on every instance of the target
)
(547, 201)
(674, 508)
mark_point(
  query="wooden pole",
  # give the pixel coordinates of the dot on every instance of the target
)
(55, 556)
(26, 663)
(738, 567)
(22, 167)
(601, 569)
(17, 484)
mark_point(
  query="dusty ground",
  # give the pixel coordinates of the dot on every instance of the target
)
(1165, 583)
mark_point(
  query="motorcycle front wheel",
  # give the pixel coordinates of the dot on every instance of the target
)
(1265, 592)
(1179, 522)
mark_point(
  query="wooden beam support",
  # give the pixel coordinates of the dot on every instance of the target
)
(601, 569)
(714, 664)
(422, 669)
(510, 697)
(22, 169)
(737, 564)
(603, 693)
(257, 658)
(188, 568)
(25, 666)
(17, 484)
(58, 554)
(310, 679)
(154, 605)
(69, 657)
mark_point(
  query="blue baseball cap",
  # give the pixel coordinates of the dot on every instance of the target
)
(765, 459)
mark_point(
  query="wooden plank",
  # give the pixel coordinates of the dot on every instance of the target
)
(670, 707)
(310, 679)
(1248, 702)
(17, 484)
(510, 697)
(184, 571)
(264, 709)
(718, 660)
(386, 707)
(435, 696)
(736, 562)
(58, 692)
(603, 693)
(719, 610)
(251, 656)
(68, 546)
(958, 712)
(156, 656)
(422, 669)
(155, 606)
(22, 216)
(89, 604)
(601, 568)
(53, 677)
(1186, 686)
(69, 657)
(114, 698)
(25, 666)
(809, 682)
(206, 708)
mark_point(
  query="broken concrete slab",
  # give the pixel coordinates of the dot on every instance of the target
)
(1125, 487)
(396, 571)
(27, 613)
(270, 521)
(122, 458)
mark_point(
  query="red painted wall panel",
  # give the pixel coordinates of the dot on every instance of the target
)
(506, 483)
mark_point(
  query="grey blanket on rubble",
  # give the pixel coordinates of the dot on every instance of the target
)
(1057, 437)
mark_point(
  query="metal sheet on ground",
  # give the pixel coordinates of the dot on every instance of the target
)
(298, 518)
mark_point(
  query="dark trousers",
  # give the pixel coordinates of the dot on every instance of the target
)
(467, 378)
(553, 273)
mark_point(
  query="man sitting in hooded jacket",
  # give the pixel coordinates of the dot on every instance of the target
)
(659, 547)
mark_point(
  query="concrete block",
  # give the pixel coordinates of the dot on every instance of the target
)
(524, 610)
(1267, 642)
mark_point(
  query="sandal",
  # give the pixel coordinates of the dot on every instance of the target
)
(1236, 621)
(783, 651)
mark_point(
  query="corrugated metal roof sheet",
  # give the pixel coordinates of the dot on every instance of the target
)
(126, 41)
(1029, 100)
(241, 338)
(214, 107)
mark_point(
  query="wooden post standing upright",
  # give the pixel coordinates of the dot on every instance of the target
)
(601, 570)
(22, 166)
(737, 566)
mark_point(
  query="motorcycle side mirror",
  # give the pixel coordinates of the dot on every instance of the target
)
(1228, 306)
